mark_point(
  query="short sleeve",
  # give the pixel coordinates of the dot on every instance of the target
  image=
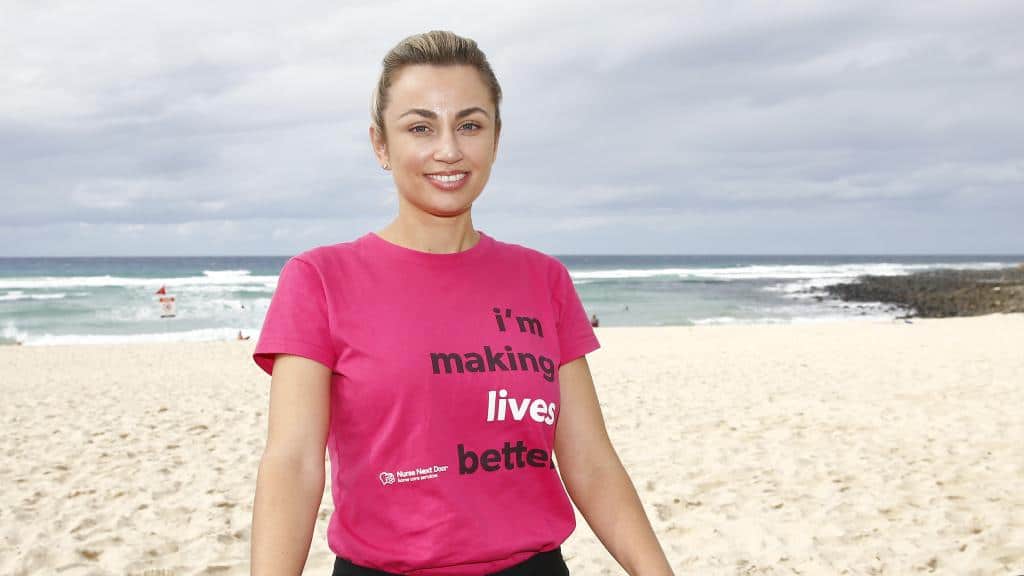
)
(297, 320)
(576, 336)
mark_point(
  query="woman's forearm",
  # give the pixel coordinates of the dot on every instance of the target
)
(284, 514)
(608, 500)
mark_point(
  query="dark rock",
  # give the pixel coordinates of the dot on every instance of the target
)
(942, 293)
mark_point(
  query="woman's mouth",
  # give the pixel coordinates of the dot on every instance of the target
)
(448, 182)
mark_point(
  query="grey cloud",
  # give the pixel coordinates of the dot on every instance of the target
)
(663, 122)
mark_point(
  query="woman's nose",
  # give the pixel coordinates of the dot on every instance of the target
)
(448, 148)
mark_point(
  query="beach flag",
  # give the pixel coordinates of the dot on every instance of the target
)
(166, 303)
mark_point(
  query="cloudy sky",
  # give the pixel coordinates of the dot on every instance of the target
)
(197, 128)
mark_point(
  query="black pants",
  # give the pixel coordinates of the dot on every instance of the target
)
(548, 563)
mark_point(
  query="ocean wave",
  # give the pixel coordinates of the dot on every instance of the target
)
(198, 335)
(813, 286)
(825, 273)
(11, 333)
(825, 318)
(229, 288)
(226, 273)
(230, 280)
(20, 295)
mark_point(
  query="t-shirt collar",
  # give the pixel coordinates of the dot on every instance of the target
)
(386, 249)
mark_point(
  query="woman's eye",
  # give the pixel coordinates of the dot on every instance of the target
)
(416, 129)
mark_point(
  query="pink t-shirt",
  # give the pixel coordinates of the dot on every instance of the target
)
(444, 397)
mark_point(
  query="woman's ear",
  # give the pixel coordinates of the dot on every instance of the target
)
(380, 147)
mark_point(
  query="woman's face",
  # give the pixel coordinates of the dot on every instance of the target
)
(439, 122)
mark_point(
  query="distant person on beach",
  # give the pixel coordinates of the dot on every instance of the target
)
(240, 337)
(594, 321)
(431, 362)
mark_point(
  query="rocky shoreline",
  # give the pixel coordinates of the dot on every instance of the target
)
(942, 293)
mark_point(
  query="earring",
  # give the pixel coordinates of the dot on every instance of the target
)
(387, 166)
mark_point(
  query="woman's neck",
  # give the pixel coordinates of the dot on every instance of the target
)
(442, 236)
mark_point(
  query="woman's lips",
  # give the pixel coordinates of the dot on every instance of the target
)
(448, 182)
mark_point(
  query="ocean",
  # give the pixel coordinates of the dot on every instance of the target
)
(46, 301)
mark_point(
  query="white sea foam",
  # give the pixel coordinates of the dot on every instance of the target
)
(199, 335)
(821, 274)
(255, 289)
(226, 273)
(214, 280)
(812, 286)
(11, 333)
(825, 318)
(21, 295)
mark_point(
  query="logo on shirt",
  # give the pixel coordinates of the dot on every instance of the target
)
(416, 474)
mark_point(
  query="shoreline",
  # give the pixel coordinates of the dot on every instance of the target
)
(253, 335)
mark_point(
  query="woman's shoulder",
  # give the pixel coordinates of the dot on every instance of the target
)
(530, 255)
(327, 255)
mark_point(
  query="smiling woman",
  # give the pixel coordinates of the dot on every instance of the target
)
(425, 445)
(438, 134)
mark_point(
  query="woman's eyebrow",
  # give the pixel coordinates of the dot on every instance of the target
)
(432, 115)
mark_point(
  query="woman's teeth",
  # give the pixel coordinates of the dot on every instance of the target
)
(452, 178)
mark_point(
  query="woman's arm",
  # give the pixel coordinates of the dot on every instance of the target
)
(290, 483)
(596, 480)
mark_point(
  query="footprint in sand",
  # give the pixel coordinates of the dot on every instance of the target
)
(664, 511)
(35, 561)
(81, 531)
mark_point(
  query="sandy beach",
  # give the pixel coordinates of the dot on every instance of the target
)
(845, 448)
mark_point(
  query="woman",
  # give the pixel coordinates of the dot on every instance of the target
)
(444, 371)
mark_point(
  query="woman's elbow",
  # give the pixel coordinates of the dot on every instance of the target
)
(307, 468)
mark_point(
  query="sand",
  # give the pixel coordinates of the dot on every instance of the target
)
(846, 448)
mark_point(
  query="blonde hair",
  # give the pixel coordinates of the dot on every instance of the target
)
(439, 48)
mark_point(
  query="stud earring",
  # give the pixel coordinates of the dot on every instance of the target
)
(387, 166)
